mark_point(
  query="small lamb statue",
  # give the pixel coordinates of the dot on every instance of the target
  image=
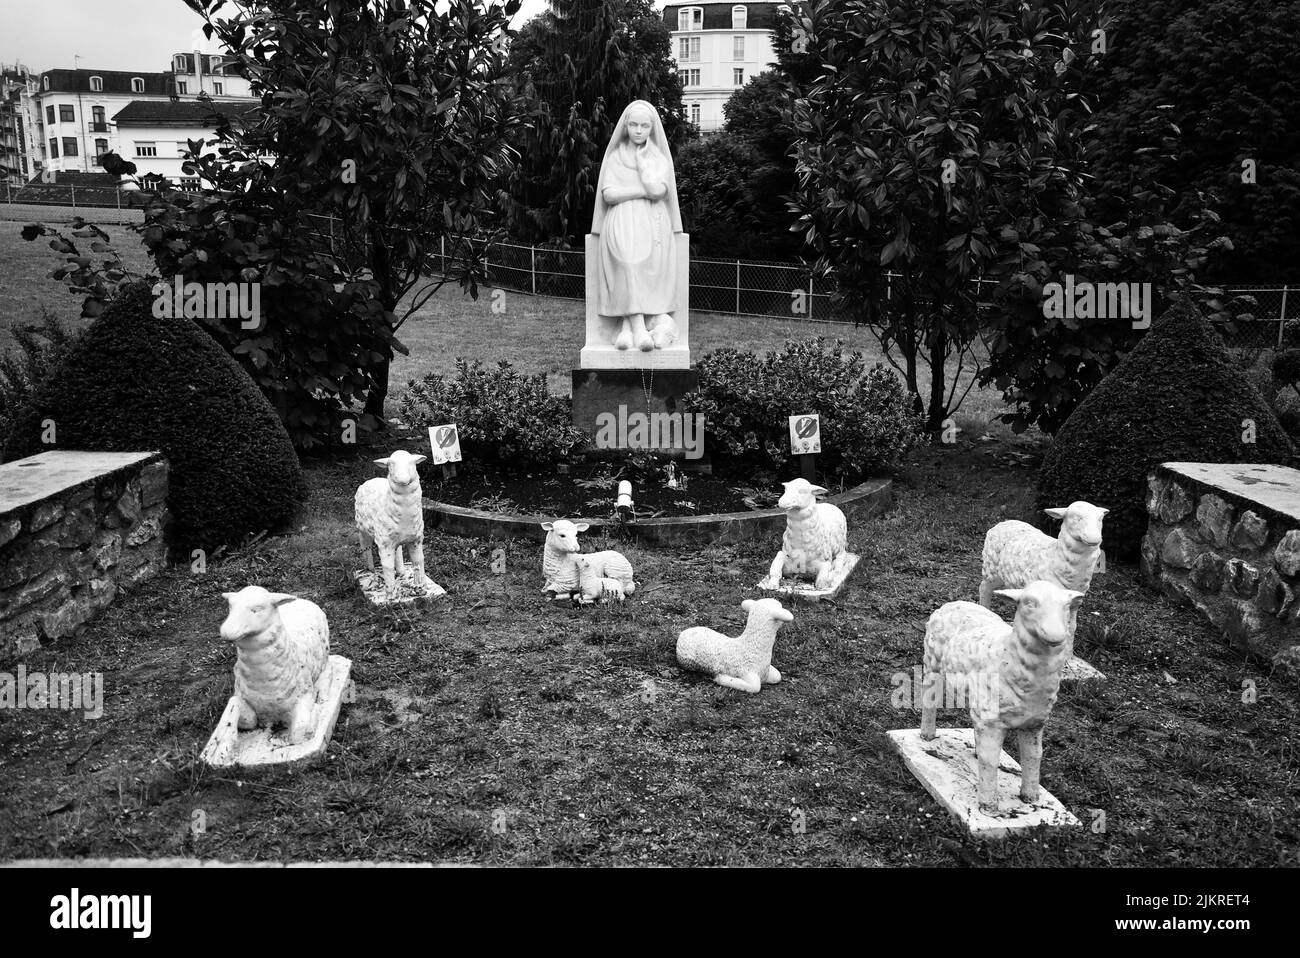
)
(1016, 554)
(743, 663)
(561, 571)
(813, 546)
(592, 586)
(390, 515)
(283, 645)
(1009, 675)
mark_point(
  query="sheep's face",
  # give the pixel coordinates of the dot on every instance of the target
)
(252, 611)
(1081, 521)
(562, 535)
(402, 474)
(800, 496)
(1045, 611)
(766, 609)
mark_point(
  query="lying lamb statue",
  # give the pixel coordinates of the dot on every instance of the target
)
(1015, 553)
(816, 534)
(390, 515)
(592, 586)
(562, 572)
(1008, 674)
(283, 645)
(743, 663)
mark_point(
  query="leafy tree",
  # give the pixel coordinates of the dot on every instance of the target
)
(395, 116)
(579, 64)
(1226, 75)
(942, 142)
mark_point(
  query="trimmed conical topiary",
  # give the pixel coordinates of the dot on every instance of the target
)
(1176, 398)
(136, 382)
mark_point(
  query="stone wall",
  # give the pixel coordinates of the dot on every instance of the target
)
(76, 528)
(1226, 538)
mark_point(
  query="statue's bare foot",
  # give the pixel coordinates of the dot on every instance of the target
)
(645, 343)
(664, 331)
(624, 338)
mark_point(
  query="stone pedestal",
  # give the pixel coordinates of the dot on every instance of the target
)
(617, 397)
(599, 351)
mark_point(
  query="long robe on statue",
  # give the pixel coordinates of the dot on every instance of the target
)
(637, 262)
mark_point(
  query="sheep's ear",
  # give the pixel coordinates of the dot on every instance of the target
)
(417, 459)
(548, 526)
(1103, 510)
(582, 526)
(785, 614)
(747, 604)
(1056, 513)
(1075, 598)
(229, 596)
(280, 598)
(1012, 594)
(382, 462)
(818, 490)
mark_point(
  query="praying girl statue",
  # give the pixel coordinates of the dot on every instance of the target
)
(636, 223)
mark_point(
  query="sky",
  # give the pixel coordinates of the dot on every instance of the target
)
(112, 34)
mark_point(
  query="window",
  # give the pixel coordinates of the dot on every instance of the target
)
(45, 83)
(97, 119)
(181, 87)
(218, 89)
(101, 147)
(70, 146)
(690, 18)
(214, 64)
(688, 49)
(146, 149)
(738, 76)
(738, 48)
(137, 84)
(180, 64)
(689, 77)
(66, 115)
(96, 84)
(695, 113)
(739, 18)
(54, 148)
(49, 114)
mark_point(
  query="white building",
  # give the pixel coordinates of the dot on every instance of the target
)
(719, 47)
(70, 115)
(154, 134)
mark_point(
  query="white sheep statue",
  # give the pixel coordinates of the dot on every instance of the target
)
(1008, 675)
(1015, 553)
(816, 535)
(743, 663)
(390, 515)
(283, 646)
(592, 586)
(560, 570)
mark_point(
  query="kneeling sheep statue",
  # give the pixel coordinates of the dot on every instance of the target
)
(743, 663)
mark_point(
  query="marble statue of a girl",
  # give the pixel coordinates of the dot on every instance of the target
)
(636, 217)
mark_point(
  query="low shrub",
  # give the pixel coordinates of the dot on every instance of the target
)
(22, 370)
(867, 422)
(137, 382)
(503, 416)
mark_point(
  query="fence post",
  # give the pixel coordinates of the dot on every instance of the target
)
(532, 256)
(810, 294)
(73, 190)
(118, 191)
(1281, 318)
(442, 253)
(737, 287)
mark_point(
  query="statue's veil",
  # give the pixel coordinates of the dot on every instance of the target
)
(658, 142)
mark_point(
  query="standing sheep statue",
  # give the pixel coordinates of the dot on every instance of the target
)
(1008, 676)
(284, 676)
(1015, 554)
(814, 545)
(743, 663)
(561, 570)
(390, 516)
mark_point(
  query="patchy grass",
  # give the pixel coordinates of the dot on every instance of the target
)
(580, 729)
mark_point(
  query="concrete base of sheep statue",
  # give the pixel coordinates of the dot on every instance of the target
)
(1008, 676)
(1015, 554)
(583, 579)
(743, 663)
(288, 688)
(814, 561)
(390, 518)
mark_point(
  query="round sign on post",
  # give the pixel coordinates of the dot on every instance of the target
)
(805, 434)
(444, 441)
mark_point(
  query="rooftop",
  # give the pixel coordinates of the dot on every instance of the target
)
(181, 112)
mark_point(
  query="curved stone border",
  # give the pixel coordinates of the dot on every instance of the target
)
(871, 498)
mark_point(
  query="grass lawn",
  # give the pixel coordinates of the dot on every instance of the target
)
(494, 701)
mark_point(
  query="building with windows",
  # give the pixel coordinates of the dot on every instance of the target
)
(13, 133)
(71, 115)
(719, 47)
(154, 134)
